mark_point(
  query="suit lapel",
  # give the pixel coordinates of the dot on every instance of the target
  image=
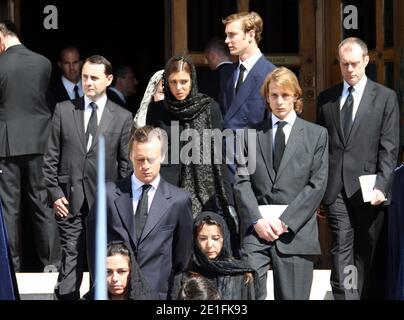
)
(266, 145)
(229, 92)
(106, 119)
(124, 206)
(295, 139)
(251, 81)
(158, 208)
(363, 108)
(335, 110)
(78, 115)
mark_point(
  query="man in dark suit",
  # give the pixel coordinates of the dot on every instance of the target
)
(213, 82)
(242, 103)
(71, 164)
(24, 128)
(123, 85)
(67, 85)
(291, 167)
(362, 118)
(162, 241)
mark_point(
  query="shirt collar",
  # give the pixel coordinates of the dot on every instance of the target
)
(249, 63)
(136, 183)
(119, 93)
(70, 85)
(358, 88)
(101, 102)
(290, 118)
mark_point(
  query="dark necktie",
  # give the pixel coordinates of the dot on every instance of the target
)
(346, 113)
(240, 77)
(279, 144)
(76, 92)
(141, 210)
(92, 123)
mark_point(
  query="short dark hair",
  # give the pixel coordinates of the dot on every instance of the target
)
(8, 28)
(218, 45)
(120, 72)
(98, 59)
(67, 49)
(197, 287)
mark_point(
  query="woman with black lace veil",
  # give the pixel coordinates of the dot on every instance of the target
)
(212, 259)
(191, 164)
(124, 277)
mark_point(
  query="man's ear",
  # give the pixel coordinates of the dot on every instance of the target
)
(109, 78)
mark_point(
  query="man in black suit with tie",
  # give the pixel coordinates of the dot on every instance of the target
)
(291, 167)
(213, 82)
(151, 214)
(71, 164)
(67, 86)
(123, 85)
(362, 118)
(24, 128)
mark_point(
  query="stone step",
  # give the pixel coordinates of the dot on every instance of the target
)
(39, 286)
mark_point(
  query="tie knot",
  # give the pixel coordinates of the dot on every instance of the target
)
(146, 188)
(281, 124)
(241, 67)
(350, 89)
(94, 106)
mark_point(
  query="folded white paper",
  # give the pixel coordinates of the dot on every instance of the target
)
(367, 183)
(271, 211)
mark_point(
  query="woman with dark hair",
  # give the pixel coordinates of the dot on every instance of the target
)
(212, 258)
(124, 278)
(195, 164)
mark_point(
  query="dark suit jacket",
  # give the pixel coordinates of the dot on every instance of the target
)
(70, 171)
(56, 93)
(247, 107)
(24, 114)
(372, 145)
(115, 98)
(58, 90)
(300, 184)
(212, 82)
(164, 248)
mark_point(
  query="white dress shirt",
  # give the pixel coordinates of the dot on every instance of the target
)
(69, 86)
(290, 120)
(357, 94)
(248, 64)
(137, 191)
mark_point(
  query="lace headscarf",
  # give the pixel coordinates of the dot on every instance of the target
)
(140, 117)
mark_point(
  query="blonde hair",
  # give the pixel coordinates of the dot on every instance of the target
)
(284, 77)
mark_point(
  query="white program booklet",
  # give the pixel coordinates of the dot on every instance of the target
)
(271, 211)
(367, 183)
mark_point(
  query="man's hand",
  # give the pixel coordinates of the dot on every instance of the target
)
(270, 230)
(60, 207)
(378, 197)
(264, 230)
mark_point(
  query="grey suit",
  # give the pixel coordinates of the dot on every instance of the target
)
(300, 184)
(71, 171)
(370, 148)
